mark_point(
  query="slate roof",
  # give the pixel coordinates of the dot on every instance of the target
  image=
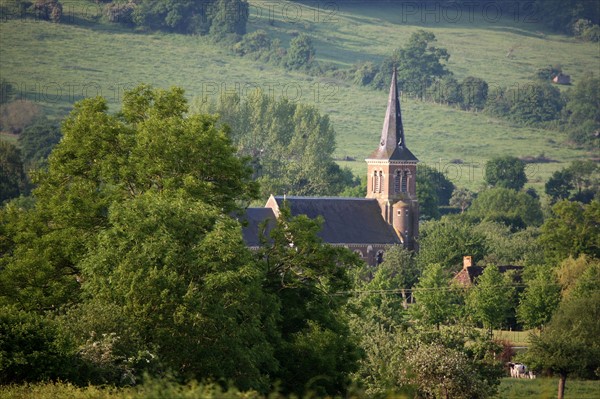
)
(392, 144)
(346, 220)
(251, 224)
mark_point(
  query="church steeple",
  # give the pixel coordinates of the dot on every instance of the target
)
(392, 144)
(392, 172)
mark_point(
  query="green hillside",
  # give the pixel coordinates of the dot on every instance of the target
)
(57, 64)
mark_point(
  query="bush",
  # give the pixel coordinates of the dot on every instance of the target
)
(120, 12)
(31, 348)
(301, 54)
(50, 10)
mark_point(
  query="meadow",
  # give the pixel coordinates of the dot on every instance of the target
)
(546, 388)
(58, 64)
(510, 388)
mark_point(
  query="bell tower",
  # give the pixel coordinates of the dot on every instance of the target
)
(392, 172)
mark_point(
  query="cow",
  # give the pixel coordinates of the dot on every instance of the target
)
(518, 370)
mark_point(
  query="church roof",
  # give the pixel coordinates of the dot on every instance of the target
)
(392, 145)
(251, 221)
(346, 220)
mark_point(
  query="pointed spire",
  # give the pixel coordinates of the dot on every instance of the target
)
(392, 144)
(392, 133)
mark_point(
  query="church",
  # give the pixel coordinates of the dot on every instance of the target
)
(389, 215)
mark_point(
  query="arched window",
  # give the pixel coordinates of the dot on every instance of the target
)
(397, 178)
(374, 181)
(380, 182)
(404, 181)
(377, 182)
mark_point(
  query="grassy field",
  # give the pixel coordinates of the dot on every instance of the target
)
(547, 388)
(510, 388)
(516, 338)
(57, 64)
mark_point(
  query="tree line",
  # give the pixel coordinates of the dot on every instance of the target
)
(128, 261)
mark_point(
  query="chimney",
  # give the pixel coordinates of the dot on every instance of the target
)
(467, 261)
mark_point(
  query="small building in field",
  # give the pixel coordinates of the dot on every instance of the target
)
(562, 79)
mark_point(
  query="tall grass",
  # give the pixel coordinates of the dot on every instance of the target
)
(510, 388)
(546, 388)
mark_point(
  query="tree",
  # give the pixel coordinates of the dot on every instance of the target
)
(434, 189)
(461, 198)
(290, 144)
(535, 102)
(437, 301)
(449, 91)
(508, 247)
(315, 349)
(559, 186)
(570, 342)
(229, 16)
(301, 54)
(31, 348)
(572, 229)
(179, 274)
(446, 242)
(582, 111)
(506, 172)
(440, 371)
(515, 209)
(491, 299)
(586, 180)
(398, 272)
(193, 16)
(474, 93)
(540, 297)
(150, 145)
(571, 271)
(419, 64)
(37, 141)
(13, 181)
(50, 10)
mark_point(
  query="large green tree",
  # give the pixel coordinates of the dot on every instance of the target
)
(572, 229)
(579, 181)
(314, 345)
(186, 288)
(446, 241)
(504, 205)
(437, 300)
(505, 172)
(491, 299)
(290, 144)
(540, 298)
(569, 344)
(434, 189)
(192, 16)
(583, 111)
(419, 64)
(105, 158)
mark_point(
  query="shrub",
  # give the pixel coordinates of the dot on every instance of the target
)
(31, 348)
